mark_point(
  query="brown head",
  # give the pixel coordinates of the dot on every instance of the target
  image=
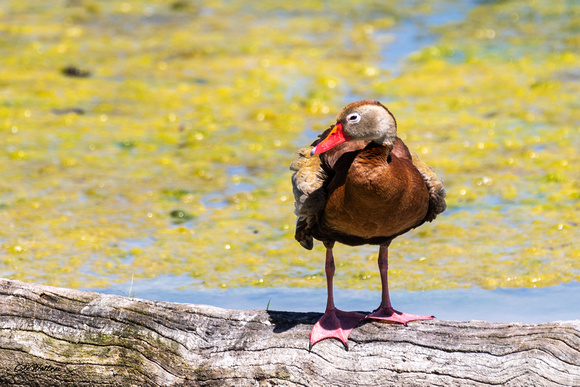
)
(361, 121)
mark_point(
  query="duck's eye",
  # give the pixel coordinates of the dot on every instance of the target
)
(353, 118)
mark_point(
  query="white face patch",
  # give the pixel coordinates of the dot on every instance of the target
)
(369, 122)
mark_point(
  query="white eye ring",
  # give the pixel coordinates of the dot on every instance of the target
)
(353, 118)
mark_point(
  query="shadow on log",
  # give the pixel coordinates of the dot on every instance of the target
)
(54, 336)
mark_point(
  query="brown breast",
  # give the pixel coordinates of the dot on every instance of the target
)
(374, 195)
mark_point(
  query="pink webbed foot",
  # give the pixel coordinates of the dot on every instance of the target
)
(335, 324)
(390, 315)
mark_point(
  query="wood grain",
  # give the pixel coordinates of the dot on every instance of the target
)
(53, 336)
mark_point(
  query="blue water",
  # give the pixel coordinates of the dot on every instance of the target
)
(527, 305)
(412, 35)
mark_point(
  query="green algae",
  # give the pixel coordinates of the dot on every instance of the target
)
(170, 154)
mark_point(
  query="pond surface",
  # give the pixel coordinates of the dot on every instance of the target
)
(151, 140)
(525, 305)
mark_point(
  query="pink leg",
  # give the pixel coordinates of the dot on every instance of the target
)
(335, 323)
(385, 312)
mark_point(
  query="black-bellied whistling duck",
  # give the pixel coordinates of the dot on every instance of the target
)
(359, 184)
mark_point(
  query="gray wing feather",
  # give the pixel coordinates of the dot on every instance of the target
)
(309, 194)
(436, 191)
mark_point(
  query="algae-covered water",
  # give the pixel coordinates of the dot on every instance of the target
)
(151, 139)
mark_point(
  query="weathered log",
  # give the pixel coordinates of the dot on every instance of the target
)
(55, 336)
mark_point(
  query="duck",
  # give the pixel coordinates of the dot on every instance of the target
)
(359, 184)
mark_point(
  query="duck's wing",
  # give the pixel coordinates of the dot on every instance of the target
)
(436, 191)
(308, 186)
(312, 175)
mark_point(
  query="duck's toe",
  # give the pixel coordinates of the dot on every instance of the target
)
(390, 315)
(335, 324)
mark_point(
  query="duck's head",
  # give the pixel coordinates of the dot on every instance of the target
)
(361, 121)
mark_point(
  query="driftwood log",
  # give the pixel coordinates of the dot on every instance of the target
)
(53, 336)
